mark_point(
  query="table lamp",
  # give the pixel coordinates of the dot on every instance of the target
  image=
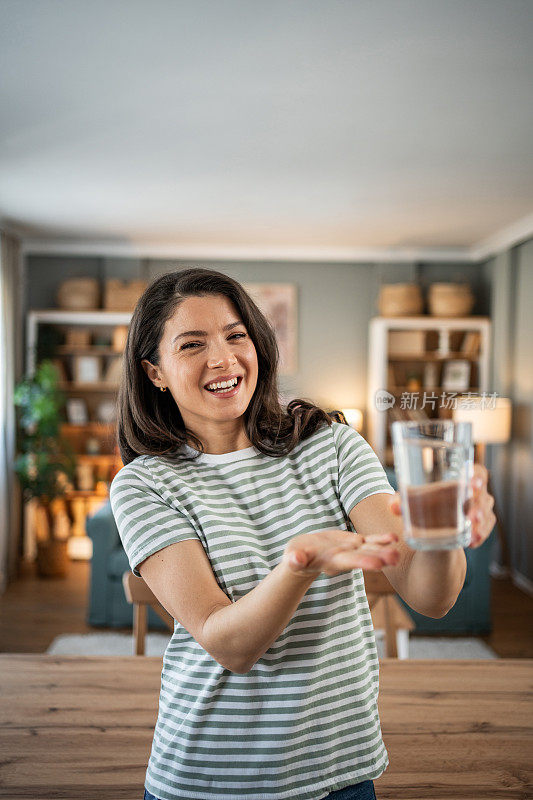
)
(491, 424)
(491, 421)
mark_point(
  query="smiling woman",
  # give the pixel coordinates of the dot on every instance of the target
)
(235, 512)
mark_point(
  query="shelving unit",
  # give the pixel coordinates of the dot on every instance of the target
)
(94, 435)
(439, 341)
(434, 341)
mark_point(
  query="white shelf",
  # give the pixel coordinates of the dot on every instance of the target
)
(425, 322)
(379, 359)
(53, 316)
(96, 317)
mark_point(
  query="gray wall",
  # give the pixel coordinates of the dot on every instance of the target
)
(511, 275)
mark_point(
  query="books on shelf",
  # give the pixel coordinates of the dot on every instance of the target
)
(471, 343)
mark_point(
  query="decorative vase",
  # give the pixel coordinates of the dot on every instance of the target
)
(52, 553)
(52, 558)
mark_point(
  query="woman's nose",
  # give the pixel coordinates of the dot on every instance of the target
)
(221, 358)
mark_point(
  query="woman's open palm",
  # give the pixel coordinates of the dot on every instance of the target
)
(334, 551)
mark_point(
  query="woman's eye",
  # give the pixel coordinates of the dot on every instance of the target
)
(198, 344)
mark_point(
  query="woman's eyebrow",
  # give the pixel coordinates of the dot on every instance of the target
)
(203, 333)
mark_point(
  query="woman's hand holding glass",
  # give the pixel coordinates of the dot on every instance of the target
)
(334, 551)
(480, 507)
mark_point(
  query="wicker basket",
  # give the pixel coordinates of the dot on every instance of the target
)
(79, 294)
(122, 296)
(450, 300)
(400, 300)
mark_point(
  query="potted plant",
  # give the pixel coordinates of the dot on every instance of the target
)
(45, 463)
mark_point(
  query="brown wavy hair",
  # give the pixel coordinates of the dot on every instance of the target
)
(149, 421)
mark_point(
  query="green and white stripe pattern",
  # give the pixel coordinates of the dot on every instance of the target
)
(304, 720)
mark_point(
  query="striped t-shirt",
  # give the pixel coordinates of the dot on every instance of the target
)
(304, 720)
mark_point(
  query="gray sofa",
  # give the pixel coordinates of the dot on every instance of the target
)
(108, 606)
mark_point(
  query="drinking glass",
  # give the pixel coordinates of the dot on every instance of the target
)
(434, 464)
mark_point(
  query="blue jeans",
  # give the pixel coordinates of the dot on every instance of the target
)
(358, 791)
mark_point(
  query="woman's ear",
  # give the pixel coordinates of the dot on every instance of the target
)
(152, 372)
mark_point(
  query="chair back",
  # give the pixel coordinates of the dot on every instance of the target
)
(140, 594)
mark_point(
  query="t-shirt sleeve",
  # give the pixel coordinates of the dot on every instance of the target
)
(146, 523)
(360, 472)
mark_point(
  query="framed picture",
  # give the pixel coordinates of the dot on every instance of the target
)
(278, 302)
(77, 411)
(86, 369)
(456, 376)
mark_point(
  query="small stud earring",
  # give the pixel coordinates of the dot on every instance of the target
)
(163, 388)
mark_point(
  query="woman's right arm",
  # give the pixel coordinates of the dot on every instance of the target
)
(237, 634)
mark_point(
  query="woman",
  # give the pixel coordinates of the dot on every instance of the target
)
(241, 518)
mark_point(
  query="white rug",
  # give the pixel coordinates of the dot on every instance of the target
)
(121, 644)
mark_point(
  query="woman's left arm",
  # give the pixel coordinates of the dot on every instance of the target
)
(428, 581)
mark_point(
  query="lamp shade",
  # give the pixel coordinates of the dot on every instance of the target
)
(491, 421)
(354, 417)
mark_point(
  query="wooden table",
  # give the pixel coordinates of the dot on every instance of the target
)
(82, 727)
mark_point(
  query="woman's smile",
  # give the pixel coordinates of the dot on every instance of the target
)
(227, 391)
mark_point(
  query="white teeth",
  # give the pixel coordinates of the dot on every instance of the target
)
(223, 384)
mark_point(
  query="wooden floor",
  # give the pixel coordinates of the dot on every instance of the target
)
(33, 611)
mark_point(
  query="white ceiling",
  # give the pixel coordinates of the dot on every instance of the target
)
(317, 126)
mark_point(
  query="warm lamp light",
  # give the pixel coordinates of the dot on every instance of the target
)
(354, 417)
(491, 424)
(491, 421)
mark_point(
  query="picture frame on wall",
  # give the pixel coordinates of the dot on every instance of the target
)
(278, 302)
(77, 413)
(456, 376)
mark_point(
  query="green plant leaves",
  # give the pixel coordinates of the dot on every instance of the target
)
(44, 457)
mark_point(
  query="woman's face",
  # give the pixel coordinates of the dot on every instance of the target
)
(205, 341)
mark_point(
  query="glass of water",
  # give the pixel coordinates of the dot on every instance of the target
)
(434, 464)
